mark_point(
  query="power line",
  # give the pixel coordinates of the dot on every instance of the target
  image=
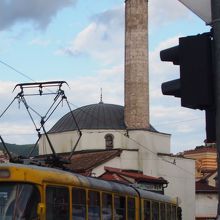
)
(177, 122)
(139, 144)
(17, 71)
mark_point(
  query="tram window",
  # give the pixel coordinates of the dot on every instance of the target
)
(119, 211)
(155, 210)
(147, 210)
(94, 205)
(57, 203)
(168, 211)
(173, 213)
(131, 208)
(162, 211)
(78, 204)
(18, 201)
(106, 206)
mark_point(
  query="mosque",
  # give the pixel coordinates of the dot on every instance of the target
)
(120, 138)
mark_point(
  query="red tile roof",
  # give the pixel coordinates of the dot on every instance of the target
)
(85, 161)
(201, 149)
(114, 177)
(203, 187)
(123, 175)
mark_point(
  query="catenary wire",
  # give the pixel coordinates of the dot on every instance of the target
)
(29, 78)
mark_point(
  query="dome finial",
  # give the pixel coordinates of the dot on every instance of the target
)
(101, 102)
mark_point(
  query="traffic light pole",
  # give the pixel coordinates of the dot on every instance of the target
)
(215, 7)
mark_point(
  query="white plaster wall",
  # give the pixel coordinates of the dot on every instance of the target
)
(206, 204)
(128, 160)
(94, 139)
(149, 144)
(91, 139)
(180, 173)
(156, 142)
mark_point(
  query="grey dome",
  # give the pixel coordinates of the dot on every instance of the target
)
(95, 116)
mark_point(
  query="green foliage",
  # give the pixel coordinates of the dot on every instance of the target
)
(20, 150)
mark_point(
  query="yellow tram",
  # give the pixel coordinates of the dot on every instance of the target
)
(29, 192)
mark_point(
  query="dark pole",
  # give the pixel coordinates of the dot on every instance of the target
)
(215, 6)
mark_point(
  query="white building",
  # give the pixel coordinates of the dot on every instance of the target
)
(103, 127)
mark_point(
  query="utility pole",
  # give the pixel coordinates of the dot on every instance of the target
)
(215, 8)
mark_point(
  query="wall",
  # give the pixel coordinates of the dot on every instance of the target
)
(91, 139)
(127, 160)
(95, 139)
(180, 173)
(206, 204)
(149, 144)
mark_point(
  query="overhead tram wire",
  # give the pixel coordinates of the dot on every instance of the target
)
(139, 144)
(17, 71)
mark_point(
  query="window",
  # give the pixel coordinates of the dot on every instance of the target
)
(119, 212)
(131, 208)
(168, 211)
(173, 213)
(106, 206)
(147, 212)
(155, 210)
(57, 203)
(79, 204)
(18, 201)
(109, 141)
(94, 205)
(162, 211)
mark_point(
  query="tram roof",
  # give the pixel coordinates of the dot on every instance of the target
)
(40, 175)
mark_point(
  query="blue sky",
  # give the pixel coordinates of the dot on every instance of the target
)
(82, 42)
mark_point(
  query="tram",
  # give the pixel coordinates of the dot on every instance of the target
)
(30, 192)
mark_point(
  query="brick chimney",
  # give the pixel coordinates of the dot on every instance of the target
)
(136, 65)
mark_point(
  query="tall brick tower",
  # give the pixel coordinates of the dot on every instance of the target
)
(136, 64)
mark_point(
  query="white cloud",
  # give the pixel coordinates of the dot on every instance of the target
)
(110, 80)
(156, 66)
(40, 12)
(103, 39)
(163, 12)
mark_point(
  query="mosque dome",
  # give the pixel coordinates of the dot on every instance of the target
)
(95, 116)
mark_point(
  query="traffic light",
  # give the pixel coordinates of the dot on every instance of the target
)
(195, 85)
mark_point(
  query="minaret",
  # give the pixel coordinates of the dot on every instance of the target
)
(136, 64)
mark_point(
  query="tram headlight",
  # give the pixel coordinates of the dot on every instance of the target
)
(4, 173)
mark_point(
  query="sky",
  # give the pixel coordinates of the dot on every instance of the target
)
(82, 43)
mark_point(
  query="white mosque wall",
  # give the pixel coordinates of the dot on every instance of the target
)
(95, 139)
(180, 173)
(149, 144)
(128, 160)
(152, 141)
(91, 139)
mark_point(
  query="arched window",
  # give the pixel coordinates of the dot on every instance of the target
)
(109, 141)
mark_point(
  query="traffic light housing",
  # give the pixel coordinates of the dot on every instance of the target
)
(195, 85)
